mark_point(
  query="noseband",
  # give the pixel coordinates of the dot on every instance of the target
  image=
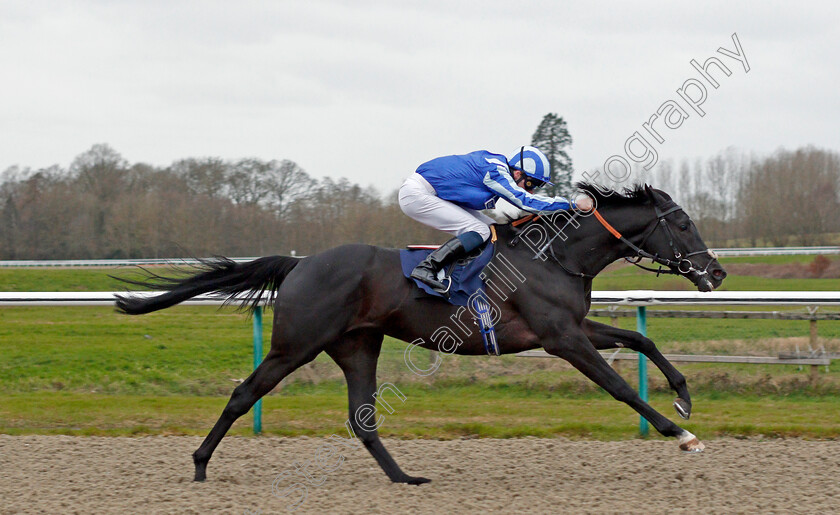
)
(679, 265)
(680, 261)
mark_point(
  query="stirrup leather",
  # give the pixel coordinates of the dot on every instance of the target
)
(485, 322)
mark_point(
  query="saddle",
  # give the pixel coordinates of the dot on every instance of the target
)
(466, 285)
(463, 273)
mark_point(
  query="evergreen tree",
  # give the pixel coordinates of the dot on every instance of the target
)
(552, 137)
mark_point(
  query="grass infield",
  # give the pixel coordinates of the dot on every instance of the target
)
(443, 413)
(80, 370)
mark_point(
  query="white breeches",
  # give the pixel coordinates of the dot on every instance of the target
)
(419, 201)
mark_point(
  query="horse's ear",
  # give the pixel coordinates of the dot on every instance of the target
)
(656, 196)
(664, 196)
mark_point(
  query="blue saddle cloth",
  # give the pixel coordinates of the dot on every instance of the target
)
(465, 273)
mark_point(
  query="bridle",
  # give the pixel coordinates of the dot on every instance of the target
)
(679, 265)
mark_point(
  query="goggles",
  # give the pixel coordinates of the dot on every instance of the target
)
(531, 184)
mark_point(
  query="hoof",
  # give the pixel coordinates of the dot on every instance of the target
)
(693, 446)
(683, 408)
(200, 473)
(410, 480)
(690, 444)
(200, 470)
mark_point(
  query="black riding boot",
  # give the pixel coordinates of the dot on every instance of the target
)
(426, 272)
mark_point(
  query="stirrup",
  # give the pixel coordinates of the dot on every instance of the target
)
(448, 286)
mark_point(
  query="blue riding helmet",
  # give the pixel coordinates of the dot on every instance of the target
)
(532, 162)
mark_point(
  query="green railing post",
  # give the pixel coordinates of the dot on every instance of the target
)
(641, 326)
(258, 351)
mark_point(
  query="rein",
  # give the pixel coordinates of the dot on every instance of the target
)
(679, 265)
(681, 262)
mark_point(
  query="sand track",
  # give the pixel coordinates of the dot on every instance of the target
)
(60, 474)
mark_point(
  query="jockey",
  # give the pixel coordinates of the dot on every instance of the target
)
(447, 193)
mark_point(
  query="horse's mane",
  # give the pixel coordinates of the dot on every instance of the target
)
(636, 194)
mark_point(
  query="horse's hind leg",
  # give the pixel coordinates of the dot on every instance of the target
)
(604, 336)
(271, 371)
(357, 353)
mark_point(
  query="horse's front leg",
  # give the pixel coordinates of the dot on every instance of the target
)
(357, 354)
(604, 336)
(575, 347)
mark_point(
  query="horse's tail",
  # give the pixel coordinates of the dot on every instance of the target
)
(217, 275)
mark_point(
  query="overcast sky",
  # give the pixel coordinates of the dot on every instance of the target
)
(368, 90)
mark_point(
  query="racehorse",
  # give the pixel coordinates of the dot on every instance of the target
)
(344, 300)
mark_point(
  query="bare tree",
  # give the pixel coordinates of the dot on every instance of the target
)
(206, 176)
(103, 207)
(100, 173)
(249, 181)
(664, 176)
(286, 182)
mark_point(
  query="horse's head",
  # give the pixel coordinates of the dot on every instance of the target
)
(655, 227)
(673, 236)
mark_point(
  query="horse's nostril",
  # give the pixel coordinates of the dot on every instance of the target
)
(719, 274)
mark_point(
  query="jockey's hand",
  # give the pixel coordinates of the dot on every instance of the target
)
(583, 203)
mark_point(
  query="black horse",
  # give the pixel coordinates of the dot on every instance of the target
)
(344, 300)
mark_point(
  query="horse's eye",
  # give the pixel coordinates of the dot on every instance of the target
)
(683, 227)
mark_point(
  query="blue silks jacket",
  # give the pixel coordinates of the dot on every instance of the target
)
(476, 180)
